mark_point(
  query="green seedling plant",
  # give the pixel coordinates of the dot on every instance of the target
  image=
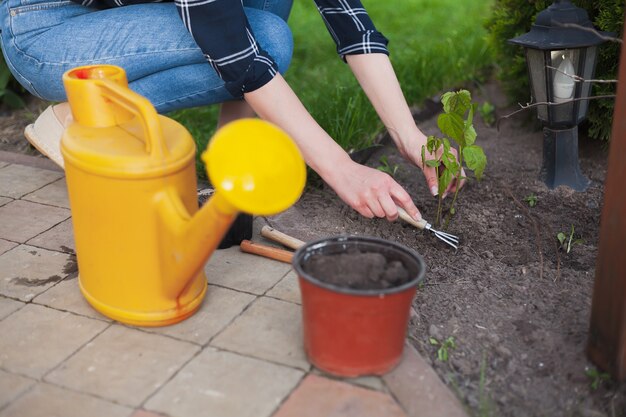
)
(531, 200)
(444, 347)
(385, 166)
(597, 378)
(457, 125)
(568, 241)
(487, 113)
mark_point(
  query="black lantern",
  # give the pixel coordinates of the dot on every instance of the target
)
(561, 45)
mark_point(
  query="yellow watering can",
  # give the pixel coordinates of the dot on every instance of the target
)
(141, 242)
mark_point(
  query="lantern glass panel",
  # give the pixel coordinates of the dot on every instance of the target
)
(562, 86)
(590, 57)
(537, 69)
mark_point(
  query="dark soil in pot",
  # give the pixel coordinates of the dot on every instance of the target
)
(358, 270)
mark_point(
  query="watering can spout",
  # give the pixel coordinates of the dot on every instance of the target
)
(255, 168)
(141, 241)
(189, 239)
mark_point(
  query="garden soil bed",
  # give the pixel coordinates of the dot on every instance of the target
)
(517, 307)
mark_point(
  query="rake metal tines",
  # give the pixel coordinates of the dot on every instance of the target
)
(450, 239)
(424, 225)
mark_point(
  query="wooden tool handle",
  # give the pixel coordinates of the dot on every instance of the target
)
(407, 218)
(273, 234)
(266, 251)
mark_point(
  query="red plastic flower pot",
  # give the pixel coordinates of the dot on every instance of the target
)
(351, 332)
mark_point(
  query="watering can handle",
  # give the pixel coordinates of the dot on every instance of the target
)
(140, 107)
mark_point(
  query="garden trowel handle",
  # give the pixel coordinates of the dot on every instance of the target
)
(286, 240)
(421, 224)
(270, 252)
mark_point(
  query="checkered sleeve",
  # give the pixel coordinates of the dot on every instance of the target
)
(222, 31)
(351, 27)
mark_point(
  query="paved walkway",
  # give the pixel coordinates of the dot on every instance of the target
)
(240, 355)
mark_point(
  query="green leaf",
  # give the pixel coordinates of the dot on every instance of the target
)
(432, 144)
(450, 162)
(475, 159)
(456, 102)
(433, 163)
(433, 341)
(469, 135)
(450, 342)
(451, 125)
(561, 237)
(445, 179)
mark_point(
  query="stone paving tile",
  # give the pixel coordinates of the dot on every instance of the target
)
(317, 396)
(219, 308)
(420, 391)
(26, 271)
(59, 238)
(19, 180)
(224, 384)
(270, 329)
(66, 296)
(287, 289)
(54, 194)
(5, 245)
(3, 164)
(4, 200)
(244, 272)
(46, 400)
(123, 364)
(8, 306)
(22, 220)
(11, 386)
(36, 339)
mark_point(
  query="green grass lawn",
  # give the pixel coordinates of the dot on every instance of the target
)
(434, 45)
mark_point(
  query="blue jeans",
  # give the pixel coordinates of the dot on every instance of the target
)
(41, 39)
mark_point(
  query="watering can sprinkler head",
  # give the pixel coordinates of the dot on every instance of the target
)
(255, 167)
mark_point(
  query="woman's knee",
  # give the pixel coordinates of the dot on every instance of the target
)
(274, 36)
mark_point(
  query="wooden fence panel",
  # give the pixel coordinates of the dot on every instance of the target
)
(607, 336)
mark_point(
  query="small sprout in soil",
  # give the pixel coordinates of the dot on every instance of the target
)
(444, 347)
(597, 378)
(386, 167)
(487, 113)
(531, 200)
(456, 124)
(568, 241)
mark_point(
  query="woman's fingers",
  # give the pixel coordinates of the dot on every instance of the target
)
(403, 199)
(431, 179)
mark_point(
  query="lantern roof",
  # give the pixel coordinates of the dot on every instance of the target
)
(553, 29)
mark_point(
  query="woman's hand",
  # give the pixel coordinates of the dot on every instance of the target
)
(412, 151)
(379, 81)
(370, 192)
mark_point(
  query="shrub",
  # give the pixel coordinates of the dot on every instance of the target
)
(512, 18)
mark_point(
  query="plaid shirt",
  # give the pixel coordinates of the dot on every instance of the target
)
(221, 30)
